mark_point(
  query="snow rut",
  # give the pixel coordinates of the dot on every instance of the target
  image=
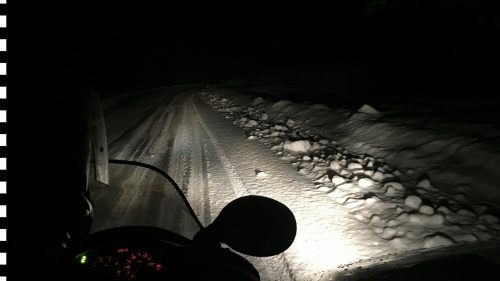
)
(188, 162)
(215, 157)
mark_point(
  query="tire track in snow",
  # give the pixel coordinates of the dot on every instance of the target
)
(198, 177)
(188, 162)
(178, 137)
(135, 142)
(236, 183)
(206, 193)
(280, 261)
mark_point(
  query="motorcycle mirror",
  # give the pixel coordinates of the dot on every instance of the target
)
(252, 225)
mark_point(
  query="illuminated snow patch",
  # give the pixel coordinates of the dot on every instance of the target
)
(300, 146)
(366, 182)
(406, 217)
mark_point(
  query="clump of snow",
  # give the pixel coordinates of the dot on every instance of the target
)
(425, 209)
(324, 141)
(335, 166)
(437, 241)
(366, 182)
(368, 173)
(251, 123)
(459, 197)
(290, 123)
(283, 106)
(325, 189)
(413, 201)
(489, 218)
(257, 101)
(354, 166)
(393, 189)
(297, 147)
(378, 176)
(426, 220)
(443, 209)
(424, 183)
(337, 180)
(368, 110)
(260, 173)
(279, 128)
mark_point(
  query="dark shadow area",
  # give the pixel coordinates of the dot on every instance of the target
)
(462, 267)
(377, 52)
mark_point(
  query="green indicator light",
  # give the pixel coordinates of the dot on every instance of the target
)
(83, 259)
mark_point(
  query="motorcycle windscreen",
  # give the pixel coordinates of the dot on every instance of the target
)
(139, 196)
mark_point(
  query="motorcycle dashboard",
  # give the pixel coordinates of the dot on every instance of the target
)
(124, 263)
(150, 253)
(130, 253)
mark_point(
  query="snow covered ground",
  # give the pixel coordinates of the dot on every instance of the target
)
(367, 187)
(415, 187)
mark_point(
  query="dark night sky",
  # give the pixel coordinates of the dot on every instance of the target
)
(119, 48)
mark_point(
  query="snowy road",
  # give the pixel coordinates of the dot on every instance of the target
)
(214, 161)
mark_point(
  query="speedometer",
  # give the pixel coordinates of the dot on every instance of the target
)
(139, 263)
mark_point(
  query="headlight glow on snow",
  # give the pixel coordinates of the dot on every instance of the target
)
(328, 253)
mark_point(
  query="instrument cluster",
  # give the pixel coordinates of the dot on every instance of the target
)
(123, 263)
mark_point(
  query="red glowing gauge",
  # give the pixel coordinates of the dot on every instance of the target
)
(138, 263)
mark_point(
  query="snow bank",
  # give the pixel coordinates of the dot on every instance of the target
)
(404, 202)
